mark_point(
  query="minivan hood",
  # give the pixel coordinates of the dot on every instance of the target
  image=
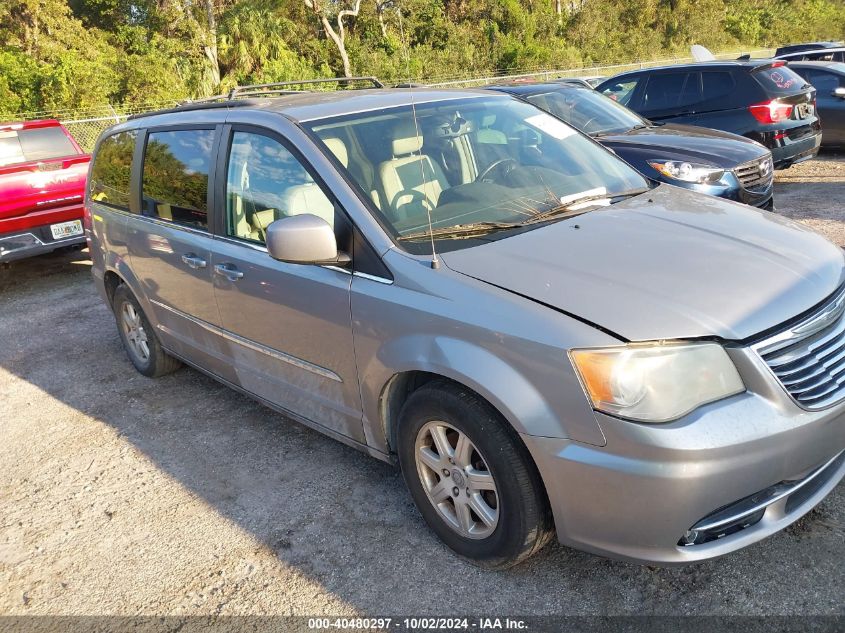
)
(669, 263)
(686, 142)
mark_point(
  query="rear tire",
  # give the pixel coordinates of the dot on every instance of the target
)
(138, 337)
(491, 507)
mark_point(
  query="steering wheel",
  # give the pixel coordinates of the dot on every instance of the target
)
(495, 165)
(415, 195)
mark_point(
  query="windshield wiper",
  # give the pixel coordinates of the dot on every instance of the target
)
(458, 231)
(565, 210)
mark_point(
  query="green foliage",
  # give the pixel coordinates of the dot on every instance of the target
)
(65, 54)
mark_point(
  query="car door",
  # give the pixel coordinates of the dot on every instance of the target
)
(170, 239)
(831, 108)
(288, 325)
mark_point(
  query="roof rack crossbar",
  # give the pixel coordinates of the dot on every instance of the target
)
(259, 88)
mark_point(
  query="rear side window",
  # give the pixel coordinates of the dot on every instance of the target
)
(175, 181)
(717, 84)
(779, 81)
(663, 91)
(44, 143)
(112, 169)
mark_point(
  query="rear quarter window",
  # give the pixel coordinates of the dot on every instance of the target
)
(112, 169)
(779, 81)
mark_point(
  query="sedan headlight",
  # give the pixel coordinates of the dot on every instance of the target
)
(688, 172)
(656, 382)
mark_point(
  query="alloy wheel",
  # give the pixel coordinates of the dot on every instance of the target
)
(456, 480)
(133, 329)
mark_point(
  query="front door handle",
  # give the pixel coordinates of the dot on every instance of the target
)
(194, 261)
(229, 271)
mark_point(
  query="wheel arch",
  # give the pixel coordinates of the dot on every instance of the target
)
(400, 387)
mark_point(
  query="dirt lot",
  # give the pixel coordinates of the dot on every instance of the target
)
(122, 495)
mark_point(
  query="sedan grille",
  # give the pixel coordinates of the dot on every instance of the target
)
(809, 358)
(757, 174)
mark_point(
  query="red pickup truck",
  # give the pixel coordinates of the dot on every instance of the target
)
(42, 182)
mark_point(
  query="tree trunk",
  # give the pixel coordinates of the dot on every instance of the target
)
(381, 23)
(339, 40)
(210, 49)
(338, 36)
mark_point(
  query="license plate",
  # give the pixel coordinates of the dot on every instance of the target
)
(66, 229)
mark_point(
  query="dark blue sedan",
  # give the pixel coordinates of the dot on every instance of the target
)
(709, 161)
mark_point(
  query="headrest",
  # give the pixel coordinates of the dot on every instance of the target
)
(487, 120)
(338, 148)
(405, 139)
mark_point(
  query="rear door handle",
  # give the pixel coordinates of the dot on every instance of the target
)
(194, 261)
(229, 271)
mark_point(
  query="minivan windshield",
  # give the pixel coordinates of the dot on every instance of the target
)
(479, 168)
(588, 110)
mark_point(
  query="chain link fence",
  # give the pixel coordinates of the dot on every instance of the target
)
(87, 131)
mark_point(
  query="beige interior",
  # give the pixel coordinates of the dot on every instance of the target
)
(412, 181)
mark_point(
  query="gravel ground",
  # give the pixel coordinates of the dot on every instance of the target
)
(123, 495)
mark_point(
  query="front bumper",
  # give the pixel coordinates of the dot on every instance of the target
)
(639, 496)
(730, 188)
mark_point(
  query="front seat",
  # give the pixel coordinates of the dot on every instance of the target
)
(308, 197)
(411, 180)
(491, 144)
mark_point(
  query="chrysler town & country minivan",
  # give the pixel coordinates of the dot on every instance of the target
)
(544, 340)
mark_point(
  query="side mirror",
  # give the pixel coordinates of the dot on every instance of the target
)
(839, 92)
(304, 239)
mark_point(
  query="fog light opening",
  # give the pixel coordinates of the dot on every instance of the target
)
(699, 537)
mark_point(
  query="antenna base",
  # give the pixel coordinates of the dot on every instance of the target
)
(435, 263)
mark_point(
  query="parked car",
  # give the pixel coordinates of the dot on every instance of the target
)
(759, 99)
(588, 82)
(829, 54)
(709, 161)
(538, 335)
(42, 183)
(807, 46)
(828, 78)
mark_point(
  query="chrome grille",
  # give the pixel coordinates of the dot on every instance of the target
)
(757, 174)
(809, 358)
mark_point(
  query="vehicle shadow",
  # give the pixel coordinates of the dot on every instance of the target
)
(338, 517)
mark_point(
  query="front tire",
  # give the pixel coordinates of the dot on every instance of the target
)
(138, 337)
(471, 477)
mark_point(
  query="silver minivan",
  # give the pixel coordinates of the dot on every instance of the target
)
(455, 281)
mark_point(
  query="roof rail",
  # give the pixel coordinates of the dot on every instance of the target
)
(229, 99)
(281, 87)
(200, 104)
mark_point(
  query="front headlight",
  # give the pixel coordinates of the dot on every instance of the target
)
(656, 382)
(688, 172)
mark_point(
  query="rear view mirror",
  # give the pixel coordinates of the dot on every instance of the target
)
(839, 92)
(304, 239)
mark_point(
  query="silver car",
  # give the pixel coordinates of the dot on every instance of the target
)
(457, 282)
